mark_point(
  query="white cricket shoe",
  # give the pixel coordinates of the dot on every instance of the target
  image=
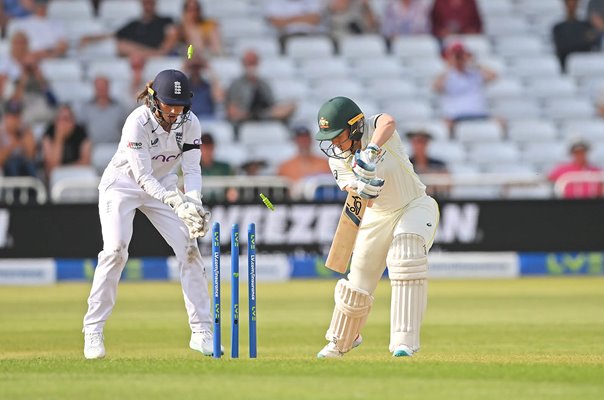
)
(331, 351)
(403, 351)
(203, 342)
(94, 346)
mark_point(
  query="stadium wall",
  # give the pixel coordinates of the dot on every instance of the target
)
(477, 239)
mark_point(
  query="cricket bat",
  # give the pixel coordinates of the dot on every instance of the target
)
(346, 233)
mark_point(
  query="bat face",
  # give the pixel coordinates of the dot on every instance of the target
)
(346, 233)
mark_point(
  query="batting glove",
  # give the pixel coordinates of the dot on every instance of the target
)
(370, 189)
(365, 162)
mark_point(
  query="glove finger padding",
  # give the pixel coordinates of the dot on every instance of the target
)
(371, 189)
(362, 169)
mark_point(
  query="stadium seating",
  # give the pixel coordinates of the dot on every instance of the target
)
(74, 184)
(540, 106)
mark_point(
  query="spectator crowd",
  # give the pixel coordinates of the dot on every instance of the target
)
(236, 80)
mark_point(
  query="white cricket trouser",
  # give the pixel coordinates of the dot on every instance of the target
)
(375, 237)
(117, 207)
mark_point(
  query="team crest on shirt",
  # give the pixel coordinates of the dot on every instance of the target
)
(323, 123)
(178, 137)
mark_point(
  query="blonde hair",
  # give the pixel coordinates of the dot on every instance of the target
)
(143, 96)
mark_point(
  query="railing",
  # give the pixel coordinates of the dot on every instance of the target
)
(80, 190)
(22, 185)
(278, 189)
(570, 178)
(503, 182)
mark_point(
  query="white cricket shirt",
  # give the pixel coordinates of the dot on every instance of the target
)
(147, 153)
(401, 183)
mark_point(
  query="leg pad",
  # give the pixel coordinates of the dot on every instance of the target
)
(349, 315)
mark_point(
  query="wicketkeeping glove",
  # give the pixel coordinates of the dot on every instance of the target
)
(195, 197)
(370, 189)
(187, 212)
(365, 162)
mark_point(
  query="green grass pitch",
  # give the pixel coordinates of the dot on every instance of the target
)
(540, 338)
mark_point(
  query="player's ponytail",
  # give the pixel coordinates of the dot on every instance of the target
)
(143, 96)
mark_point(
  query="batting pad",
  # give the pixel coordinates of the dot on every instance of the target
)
(408, 269)
(349, 315)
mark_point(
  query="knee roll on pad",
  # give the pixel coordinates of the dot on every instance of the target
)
(407, 257)
(349, 315)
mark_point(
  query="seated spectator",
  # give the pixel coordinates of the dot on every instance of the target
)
(455, 17)
(595, 15)
(579, 163)
(208, 93)
(573, 35)
(305, 163)
(462, 86)
(12, 10)
(65, 142)
(137, 81)
(200, 31)
(151, 35)
(17, 143)
(250, 97)
(47, 37)
(405, 17)
(294, 18)
(254, 166)
(12, 66)
(102, 117)
(349, 17)
(209, 165)
(423, 163)
(22, 76)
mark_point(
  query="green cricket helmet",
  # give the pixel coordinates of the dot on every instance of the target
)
(335, 116)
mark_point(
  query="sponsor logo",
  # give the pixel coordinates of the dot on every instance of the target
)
(323, 123)
(135, 145)
(459, 223)
(177, 88)
(168, 158)
(154, 142)
(197, 141)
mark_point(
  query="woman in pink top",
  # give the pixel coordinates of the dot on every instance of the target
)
(578, 189)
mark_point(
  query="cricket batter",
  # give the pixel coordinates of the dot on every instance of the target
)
(156, 137)
(367, 156)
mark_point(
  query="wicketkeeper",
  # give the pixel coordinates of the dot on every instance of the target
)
(156, 137)
(367, 156)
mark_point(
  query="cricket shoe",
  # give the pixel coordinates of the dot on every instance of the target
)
(203, 342)
(94, 346)
(331, 351)
(403, 350)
